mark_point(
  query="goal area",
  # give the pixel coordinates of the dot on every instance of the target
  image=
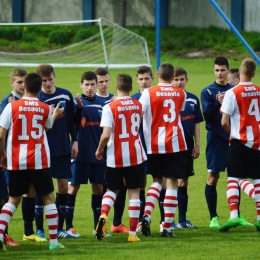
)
(109, 45)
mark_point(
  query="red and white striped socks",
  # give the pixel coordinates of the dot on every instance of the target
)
(233, 196)
(108, 202)
(133, 211)
(51, 215)
(5, 216)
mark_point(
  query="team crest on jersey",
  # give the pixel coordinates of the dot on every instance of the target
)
(192, 107)
(83, 122)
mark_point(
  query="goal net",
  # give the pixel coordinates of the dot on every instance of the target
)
(111, 46)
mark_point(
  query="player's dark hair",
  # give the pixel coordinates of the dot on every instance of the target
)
(89, 75)
(144, 69)
(124, 82)
(45, 70)
(166, 71)
(33, 83)
(221, 61)
(101, 71)
(178, 71)
(234, 73)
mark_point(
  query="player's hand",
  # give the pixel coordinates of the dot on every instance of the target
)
(99, 154)
(196, 152)
(113, 98)
(74, 150)
(57, 110)
(220, 97)
(79, 101)
(3, 163)
(11, 99)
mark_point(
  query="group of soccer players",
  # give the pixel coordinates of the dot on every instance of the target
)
(114, 141)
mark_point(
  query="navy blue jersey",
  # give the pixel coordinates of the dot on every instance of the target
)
(59, 134)
(5, 101)
(191, 115)
(137, 95)
(208, 100)
(89, 130)
(104, 100)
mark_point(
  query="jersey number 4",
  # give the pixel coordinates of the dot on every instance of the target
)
(253, 109)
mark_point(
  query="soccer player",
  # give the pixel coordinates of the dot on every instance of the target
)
(103, 79)
(233, 76)
(191, 118)
(125, 154)
(240, 120)
(165, 142)
(59, 141)
(217, 139)
(26, 120)
(86, 167)
(17, 82)
(144, 78)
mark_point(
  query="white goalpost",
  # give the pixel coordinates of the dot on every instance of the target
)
(112, 47)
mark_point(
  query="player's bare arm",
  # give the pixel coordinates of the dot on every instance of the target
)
(74, 150)
(196, 149)
(225, 122)
(3, 162)
(103, 142)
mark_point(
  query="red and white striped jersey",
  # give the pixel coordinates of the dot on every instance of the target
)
(242, 103)
(124, 147)
(27, 144)
(162, 126)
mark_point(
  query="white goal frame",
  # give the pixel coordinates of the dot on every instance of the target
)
(107, 63)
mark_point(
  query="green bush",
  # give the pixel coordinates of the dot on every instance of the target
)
(29, 36)
(59, 37)
(11, 33)
(83, 34)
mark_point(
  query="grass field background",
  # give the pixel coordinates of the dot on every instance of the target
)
(203, 243)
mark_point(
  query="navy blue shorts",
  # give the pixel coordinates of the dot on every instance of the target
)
(133, 175)
(3, 187)
(61, 167)
(6, 174)
(84, 172)
(217, 151)
(243, 162)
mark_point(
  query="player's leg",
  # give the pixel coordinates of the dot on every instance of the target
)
(38, 215)
(119, 206)
(153, 192)
(133, 179)
(113, 185)
(8, 240)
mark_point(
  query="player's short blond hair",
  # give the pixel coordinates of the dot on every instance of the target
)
(17, 72)
(248, 67)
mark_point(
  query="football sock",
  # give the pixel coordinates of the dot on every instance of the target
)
(160, 201)
(61, 202)
(170, 204)
(71, 200)
(256, 183)
(107, 202)
(38, 215)
(142, 203)
(134, 212)
(247, 187)
(152, 197)
(211, 198)
(28, 215)
(233, 196)
(119, 206)
(6, 214)
(51, 215)
(96, 201)
(182, 203)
